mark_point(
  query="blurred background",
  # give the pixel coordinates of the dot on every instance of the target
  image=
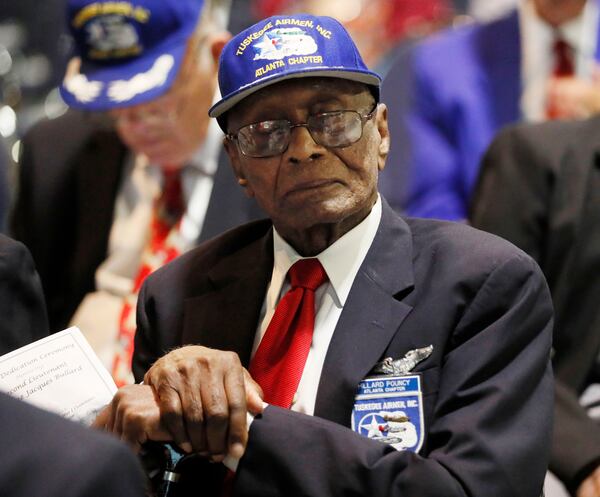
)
(34, 45)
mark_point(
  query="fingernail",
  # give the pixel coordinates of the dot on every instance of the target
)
(186, 447)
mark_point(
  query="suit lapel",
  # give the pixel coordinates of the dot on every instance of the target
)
(499, 49)
(370, 318)
(226, 317)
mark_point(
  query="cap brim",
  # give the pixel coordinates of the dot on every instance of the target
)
(101, 87)
(366, 77)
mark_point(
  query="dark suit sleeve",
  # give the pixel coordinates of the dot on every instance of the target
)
(514, 189)
(22, 305)
(44, 455)
(487, 436)
(113, 471)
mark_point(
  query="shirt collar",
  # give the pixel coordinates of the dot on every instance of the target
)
(341, 260)
(580, 32)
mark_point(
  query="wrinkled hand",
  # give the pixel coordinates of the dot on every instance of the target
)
(204, 395)
(133, 416)
(574, 98)
(590, 487)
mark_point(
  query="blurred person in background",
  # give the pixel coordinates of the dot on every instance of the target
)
(111, 192)
(377, 26)
(540, 189)
(451, 93)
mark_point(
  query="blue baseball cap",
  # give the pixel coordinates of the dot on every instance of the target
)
(129, 51)
(286, 47)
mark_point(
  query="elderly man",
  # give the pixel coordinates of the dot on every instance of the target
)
(356, 327)
(108, 196)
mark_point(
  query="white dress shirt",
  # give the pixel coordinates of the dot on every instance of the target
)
(537, 53)
(341, 262)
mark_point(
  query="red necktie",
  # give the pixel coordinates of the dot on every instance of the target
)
(278, 363)
(563, 68)
(168, 209)
(563, 59)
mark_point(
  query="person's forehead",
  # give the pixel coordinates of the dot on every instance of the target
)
(301, 92)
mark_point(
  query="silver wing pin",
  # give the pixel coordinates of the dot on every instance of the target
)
(405, 364)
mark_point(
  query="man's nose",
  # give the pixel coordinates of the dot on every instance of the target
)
(302, 146)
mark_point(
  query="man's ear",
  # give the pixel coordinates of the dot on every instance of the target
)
(384, 133)
(236, 163)
(217, 41)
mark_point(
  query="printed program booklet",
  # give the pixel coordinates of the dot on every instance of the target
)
(60, 373)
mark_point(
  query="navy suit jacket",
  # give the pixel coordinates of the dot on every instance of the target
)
(448, 96)
(487, 387)
(69, 178)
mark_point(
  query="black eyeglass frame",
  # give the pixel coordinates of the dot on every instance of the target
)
(364, 118)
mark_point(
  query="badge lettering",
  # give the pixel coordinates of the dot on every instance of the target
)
(390, 410)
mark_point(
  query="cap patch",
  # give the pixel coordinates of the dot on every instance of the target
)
(124, 9)
(112, 37)
(284, 42)
(109, 29)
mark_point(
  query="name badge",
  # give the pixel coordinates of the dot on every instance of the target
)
(389, 409)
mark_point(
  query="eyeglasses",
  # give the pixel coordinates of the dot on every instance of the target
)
(330, 129)
(162, 111)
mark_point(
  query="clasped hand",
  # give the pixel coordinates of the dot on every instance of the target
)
(194, 396)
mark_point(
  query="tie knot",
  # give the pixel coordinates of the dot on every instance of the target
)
(563, 58)
(561, 46)
(307, 273)
(171, 199)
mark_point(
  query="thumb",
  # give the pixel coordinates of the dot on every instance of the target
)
(102, 419)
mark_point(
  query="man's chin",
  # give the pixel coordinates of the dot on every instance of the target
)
(164, 159)
(306, 216)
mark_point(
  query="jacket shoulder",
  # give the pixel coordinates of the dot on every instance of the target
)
(464, 249)
(210, 253)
